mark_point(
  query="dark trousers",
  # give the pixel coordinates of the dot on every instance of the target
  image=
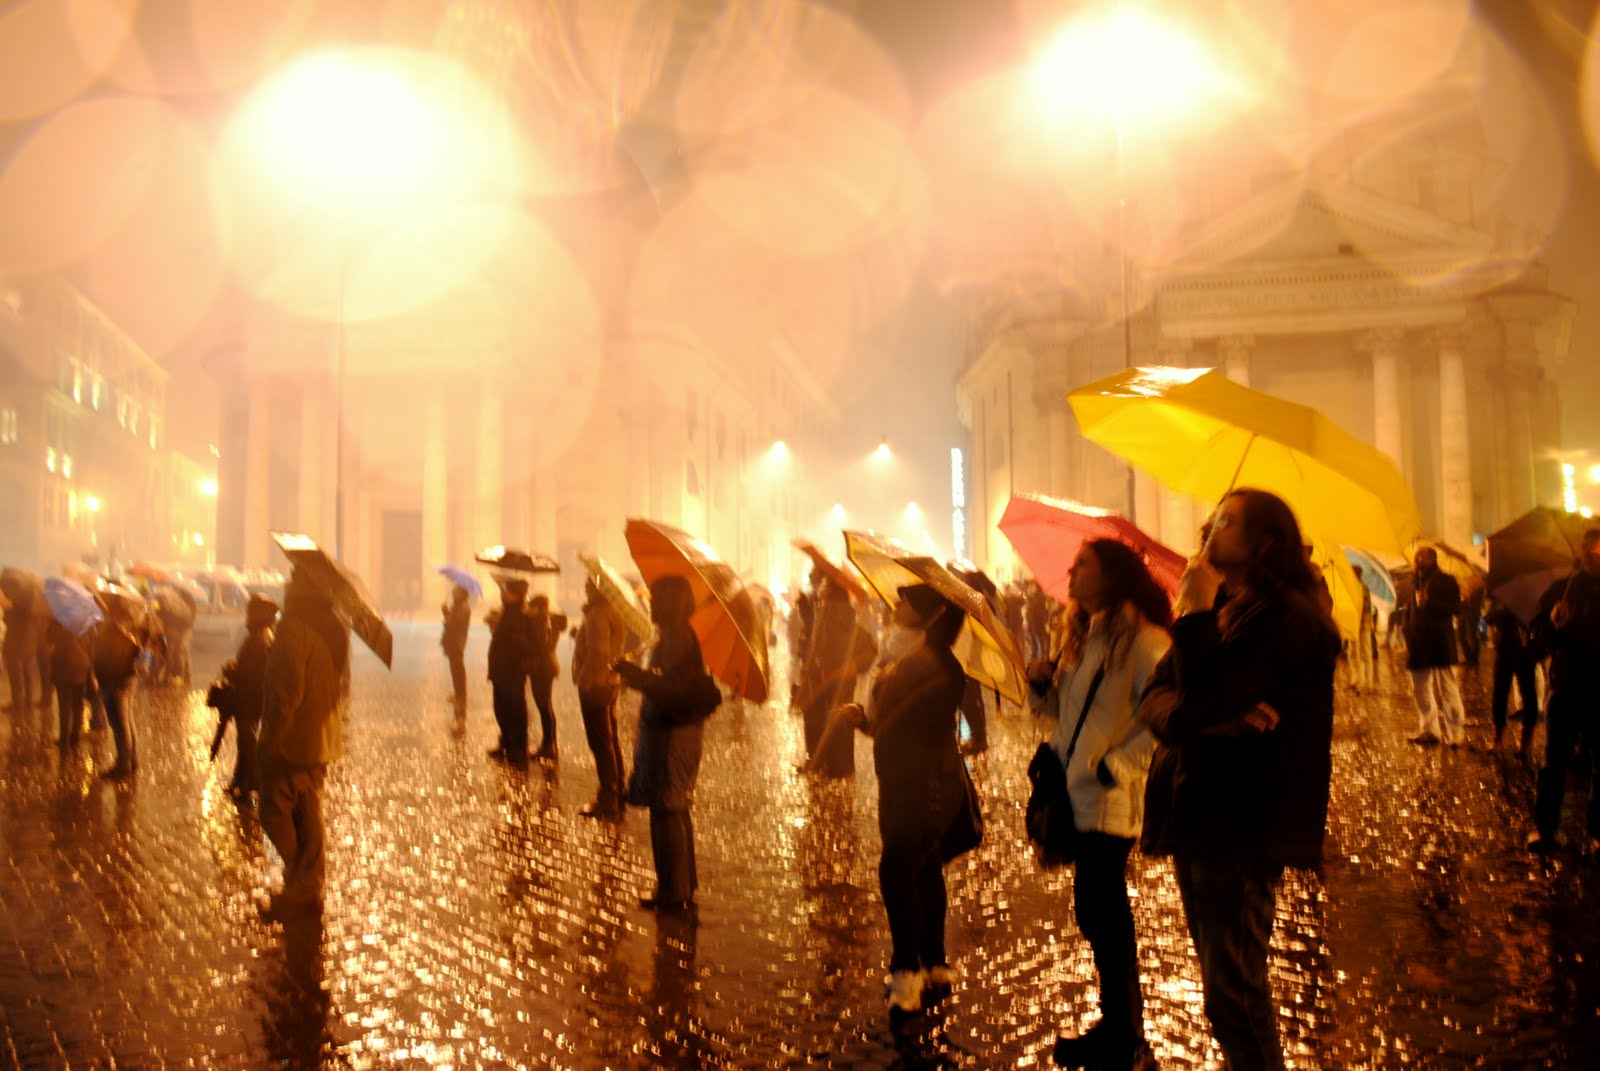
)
(115, 698)
(458, 678)
(244, 764)
(1573, 715)
(1520, 668)
(672, 847)
(22, 672)
(511, 713)
(973, 711)
(543, 689)
(291, 816)
(69, 713)
(835, 753)
(911, 876)
(1230, 906)
(1105, 918)
(599, 707)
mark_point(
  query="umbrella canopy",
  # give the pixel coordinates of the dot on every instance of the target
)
(1531, 553)
(123, 604)
(72, 605)
(988, 652)
(1343, 584)
(173, 605)
(349, 595)
(516, 561)
(146, 571)
(732, 640)
(461, 579)
(1376, 576)
(1048, 532)
(619, 594)
(830, 570)
(1202, 434)
(19, 585)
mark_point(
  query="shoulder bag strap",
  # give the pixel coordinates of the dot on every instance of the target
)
(1083, 715)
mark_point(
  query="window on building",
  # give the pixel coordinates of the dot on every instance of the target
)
(50, 458)
(8, 426)
(77, 381)
(691, 478)
(154, 430)
(66, 466)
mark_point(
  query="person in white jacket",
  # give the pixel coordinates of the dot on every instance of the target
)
(1116, 633)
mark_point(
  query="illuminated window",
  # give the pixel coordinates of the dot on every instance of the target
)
(50, 458)
(66, 466)
(98, 392)
(8, 426)
(77, 382)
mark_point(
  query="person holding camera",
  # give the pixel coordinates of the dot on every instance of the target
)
(1116, 634)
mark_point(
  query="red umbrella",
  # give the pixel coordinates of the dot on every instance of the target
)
(732, 640)
(1047, 533)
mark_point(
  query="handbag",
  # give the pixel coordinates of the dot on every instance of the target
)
(1049, 818)
(965, 831)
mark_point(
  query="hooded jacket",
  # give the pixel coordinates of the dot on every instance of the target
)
(301, 723)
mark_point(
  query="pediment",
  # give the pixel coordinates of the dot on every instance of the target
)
(1289, 225)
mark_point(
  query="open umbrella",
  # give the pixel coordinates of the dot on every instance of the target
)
(146, 571)
(72, 605)
(461, 579)
(826, 566)
(1531, 553)
(516, 561)
(619, 594)
(1343, 584)
(1202, 434)
(123, 604)
(988, 652)
(1376, 576)
(349, 595)
(1467, 570)
(1047, 533)
(731, 638)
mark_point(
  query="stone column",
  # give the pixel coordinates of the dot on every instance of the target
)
(315, 459)
(1517, 403)
(1233, 353)
(1455, 445)
(435, 487)
(257, 473)
(1384, 346)
(489, 490)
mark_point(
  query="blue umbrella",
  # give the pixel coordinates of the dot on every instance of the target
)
(1376, 577)
(71, 604)
(462, 579)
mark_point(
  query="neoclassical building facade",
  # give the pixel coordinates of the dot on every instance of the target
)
(1401, 343)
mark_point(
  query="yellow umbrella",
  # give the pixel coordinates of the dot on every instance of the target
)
(1343, 585)
(619, 593)
(988, 652)
(1202, 434)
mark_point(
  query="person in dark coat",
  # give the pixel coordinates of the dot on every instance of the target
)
(1569, 626)
(70, 667)
(679, 694)
(597, 643)
(176, 610)
(1431, 652)
(840, 650)
(912, 722)
(247, 676)
(545, 629)
(511, 654)
(1515, 659)
(119, 640)
(25, 638)
(1242, 710)
(457, 615)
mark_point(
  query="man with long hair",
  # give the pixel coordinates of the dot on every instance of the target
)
(1242, 707)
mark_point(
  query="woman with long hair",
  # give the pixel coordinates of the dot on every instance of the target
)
(1116, 634)
(1242, 707)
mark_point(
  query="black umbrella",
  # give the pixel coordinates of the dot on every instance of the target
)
(517, 561)
(1531, 553)
(349, 595)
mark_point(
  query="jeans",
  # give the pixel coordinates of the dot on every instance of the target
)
(912, 879)
(1230, 906)
(1573, 715)
(511, 713)
(291, 816)
(1105, 918)
(672, 848)
(599, 707)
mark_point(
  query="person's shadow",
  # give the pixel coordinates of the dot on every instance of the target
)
(296, 1027)
(677, 1038)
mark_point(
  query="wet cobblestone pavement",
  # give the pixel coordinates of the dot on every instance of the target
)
(475, 919)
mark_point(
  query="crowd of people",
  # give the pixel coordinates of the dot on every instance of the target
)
(1198, 729)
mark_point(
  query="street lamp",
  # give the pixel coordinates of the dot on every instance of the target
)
(367, 138)
(1126, 64)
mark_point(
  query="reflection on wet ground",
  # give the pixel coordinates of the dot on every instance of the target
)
(475, 918)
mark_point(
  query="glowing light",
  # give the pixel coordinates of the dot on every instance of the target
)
(913, 515)
(837, 515)
(1569, 487)
(1585, 512)
(208, 487)
(91, 503)
(1594, 473)
(199, 540)
(778, 454)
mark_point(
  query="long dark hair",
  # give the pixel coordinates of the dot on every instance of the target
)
(1127, 583)
(1278, 558)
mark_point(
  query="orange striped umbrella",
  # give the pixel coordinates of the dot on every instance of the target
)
(732, 640)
